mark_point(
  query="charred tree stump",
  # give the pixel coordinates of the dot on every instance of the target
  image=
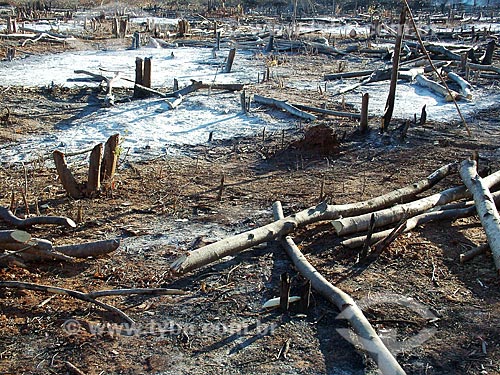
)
(110, 158)
(146, 77)
(139, 71)
(284, 291)
(363, 125)
(68, 181)
(488, 55)
(230, 60)
(94, 179)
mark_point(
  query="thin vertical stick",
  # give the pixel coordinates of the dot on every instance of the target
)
(417, 32)
(391, 98)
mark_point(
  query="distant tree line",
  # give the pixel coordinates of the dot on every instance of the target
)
(300, 7)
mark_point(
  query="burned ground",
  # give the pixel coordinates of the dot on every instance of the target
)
(164, 207)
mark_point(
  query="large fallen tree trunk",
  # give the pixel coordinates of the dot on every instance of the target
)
(285, 106)
(465, 87)
(17, 236)
(370, 341)
(449, 95)
(485, 205)
(34, 250)
(93, 249)
(412, 223)
(327, 111)
(7, 216)
(355, 224)
(485, 68)
(228, 246)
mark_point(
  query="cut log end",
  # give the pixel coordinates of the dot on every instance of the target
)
(20, 236)
(337, 226)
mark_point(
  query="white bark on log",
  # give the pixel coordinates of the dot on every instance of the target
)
(327, 111)
(228, 246)
(93, 249)
(485, 205)
(7, 216)
(285, 106)
(391, 215)
(465, 87)
(437, 88)
(370, 341)
(174, 104)
(485, 68)
(445, 213)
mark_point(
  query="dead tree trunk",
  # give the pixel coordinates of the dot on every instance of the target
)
(110, 158)
(228, 246)
(485, 206)
(389, 106)
(68, 181)
(369, 339)
(90, 249)
(355, 224)
(94, 179)
(146, 78)
(488, 55)
(230, 60)
(364, 113)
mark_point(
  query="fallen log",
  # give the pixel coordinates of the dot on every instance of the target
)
(223, 86)
(229, 246)
(7, 216)
(17, 236)
(485, 205)
(465, 87)
(66, 292)
(445, 213)
(35, 249)
(285, 106)
(327, 111)
(485, 68)
(356, 74)
(370, 341)
(439, 49)
(449, 95)
(355, 224)
(472, 253)
(90, 249)
(174, 104)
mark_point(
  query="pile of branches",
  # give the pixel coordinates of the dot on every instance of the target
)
(348, 219)
(17, 246)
